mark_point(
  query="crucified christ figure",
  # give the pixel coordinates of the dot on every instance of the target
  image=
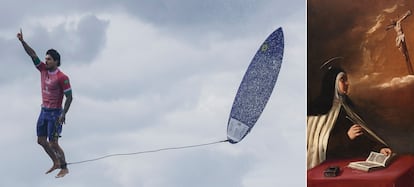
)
(400, 39)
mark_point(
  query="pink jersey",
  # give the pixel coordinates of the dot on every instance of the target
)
(54, 85)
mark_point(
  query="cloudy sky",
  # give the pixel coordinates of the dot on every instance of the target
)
(148, 75)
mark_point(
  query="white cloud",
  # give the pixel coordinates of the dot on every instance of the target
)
(397, 82)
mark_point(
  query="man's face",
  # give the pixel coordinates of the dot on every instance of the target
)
(50, 63)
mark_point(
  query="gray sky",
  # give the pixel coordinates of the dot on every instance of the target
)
(148, 75)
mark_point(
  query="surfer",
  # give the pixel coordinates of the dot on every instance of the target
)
(54, 84)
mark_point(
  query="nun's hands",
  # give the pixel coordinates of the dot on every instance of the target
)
(355, 131)
(386, 151)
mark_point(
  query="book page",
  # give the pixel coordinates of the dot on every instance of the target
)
(377, 158)
(368, 164)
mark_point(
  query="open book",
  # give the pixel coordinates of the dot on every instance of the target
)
(374, 161)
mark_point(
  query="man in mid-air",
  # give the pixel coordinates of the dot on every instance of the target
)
(55, 84)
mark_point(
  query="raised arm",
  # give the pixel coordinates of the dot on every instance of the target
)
(390, 26)
(405, 16)
(27, 48)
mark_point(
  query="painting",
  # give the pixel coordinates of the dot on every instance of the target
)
(372, 41)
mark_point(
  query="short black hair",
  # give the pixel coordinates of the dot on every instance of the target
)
(54, 54)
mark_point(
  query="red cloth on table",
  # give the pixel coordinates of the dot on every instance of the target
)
(400, 173)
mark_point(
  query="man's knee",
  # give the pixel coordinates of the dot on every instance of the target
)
(53, 144)
(42, 141)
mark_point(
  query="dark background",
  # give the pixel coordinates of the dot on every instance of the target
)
(379, 82)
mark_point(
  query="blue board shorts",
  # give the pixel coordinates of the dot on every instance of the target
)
(47, 124)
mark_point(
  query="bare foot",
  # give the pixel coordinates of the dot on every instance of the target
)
(62, 173)
(55, 166)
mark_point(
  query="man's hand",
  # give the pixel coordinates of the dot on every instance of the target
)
(27, 48)
(354, 131)
(62, 119)
(20, 35)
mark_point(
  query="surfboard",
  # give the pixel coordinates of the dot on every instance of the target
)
(256, 87)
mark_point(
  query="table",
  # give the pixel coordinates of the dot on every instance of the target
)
(400, 173)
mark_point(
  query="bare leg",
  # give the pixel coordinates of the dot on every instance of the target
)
(42, 140)
(61, 157)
